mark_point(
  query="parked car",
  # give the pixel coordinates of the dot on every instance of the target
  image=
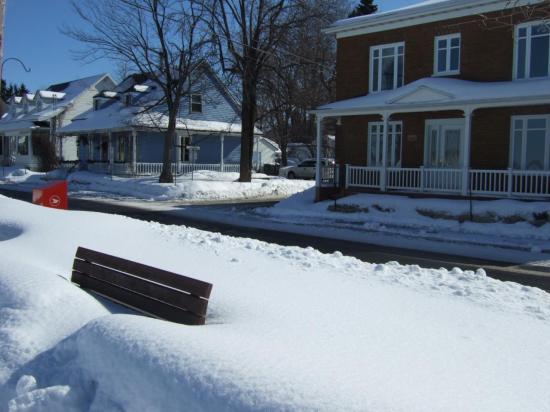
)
(303, 170)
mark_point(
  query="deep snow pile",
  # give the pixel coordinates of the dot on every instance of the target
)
(199, 186)
(287, 328)
(506, 223)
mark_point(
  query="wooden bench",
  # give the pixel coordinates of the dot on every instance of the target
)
(152, 291)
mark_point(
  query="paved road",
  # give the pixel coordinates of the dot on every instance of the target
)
(365, 252)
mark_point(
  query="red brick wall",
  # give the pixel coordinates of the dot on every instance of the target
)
(486, 52)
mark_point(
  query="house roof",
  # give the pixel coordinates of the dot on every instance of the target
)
(422, 12)
(54, 100)
(437, 93)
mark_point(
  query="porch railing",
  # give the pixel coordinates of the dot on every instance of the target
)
(512, 183)
(154, 169)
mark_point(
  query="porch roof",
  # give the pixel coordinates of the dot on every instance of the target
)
(436, 93)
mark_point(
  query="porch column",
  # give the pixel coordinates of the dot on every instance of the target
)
(466, 151)
(134, 152)
(111, 151)
(318, 170)
(383, 172)
(222, 137)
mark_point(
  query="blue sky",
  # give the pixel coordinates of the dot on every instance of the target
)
(32, 34)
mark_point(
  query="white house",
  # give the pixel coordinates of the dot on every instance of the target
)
(34, 118)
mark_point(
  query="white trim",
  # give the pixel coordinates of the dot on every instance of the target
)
(448, 38)
(415, 15)
(379, 48)
(527, 62)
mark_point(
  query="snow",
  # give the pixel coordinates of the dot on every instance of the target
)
(445, 91)
(287, 328)
(51, 95)
(505, 223)
(202, 185)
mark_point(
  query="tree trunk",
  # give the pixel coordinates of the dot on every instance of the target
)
(248, 118)
(166, 175)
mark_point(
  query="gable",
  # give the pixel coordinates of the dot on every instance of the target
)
(423, 94)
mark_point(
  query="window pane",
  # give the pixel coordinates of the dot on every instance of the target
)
(399, 71)
(521, 59)
(442, 44)
(452, 147)
(397, 150)
(455, 42)
(518, 124)
(540, 29)
(433, 147)
(442, 61)
(455, 53)
(389, 51)
(536, 124)
(388, 66)
(23, 145)
(522, 32)
(400, 49)
(539, 56)
(516, 161)
(375, 76)
(375, 53)
(534, 152)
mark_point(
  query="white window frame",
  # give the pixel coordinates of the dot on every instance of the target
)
(391, 159)
(448, 48)
(527, 62)
(524, 129)
(380, 47)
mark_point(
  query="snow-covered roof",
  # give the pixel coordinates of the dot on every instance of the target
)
(436, 93)
(141, 88)
(55, 99)
(422, 12)
(47, 94)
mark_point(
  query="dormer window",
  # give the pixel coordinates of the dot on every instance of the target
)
(532, 50)
(96, 104)
(127, 99)
(196, 103)
(386, 67)
(447, 55)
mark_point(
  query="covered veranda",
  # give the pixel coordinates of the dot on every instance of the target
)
(444, 165)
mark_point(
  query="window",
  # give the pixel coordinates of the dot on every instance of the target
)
(185, 154)
(447, 54)
(96, 104)
(127, 99)
(532, 50)
(196, 103)
(23, 145)
(308, 163)
(530, 143)
(386, 67)
(375, 144)
(122, 149)
(444, 143)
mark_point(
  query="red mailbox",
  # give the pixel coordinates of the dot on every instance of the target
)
(54, 195)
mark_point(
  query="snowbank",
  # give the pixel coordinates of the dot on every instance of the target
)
(287, 328)
(199, 186)
(503, 223)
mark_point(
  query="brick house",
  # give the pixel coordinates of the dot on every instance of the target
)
(444, 97)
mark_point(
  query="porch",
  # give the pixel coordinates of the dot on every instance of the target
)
(443, 137)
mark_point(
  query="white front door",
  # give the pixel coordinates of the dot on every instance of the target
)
(444, 141)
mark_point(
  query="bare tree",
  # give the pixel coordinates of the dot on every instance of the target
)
(301, 75)
(247, 33)
(161, 38)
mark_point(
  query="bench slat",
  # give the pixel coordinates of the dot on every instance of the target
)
(193, 286)
(138, 302)
(160, 292)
